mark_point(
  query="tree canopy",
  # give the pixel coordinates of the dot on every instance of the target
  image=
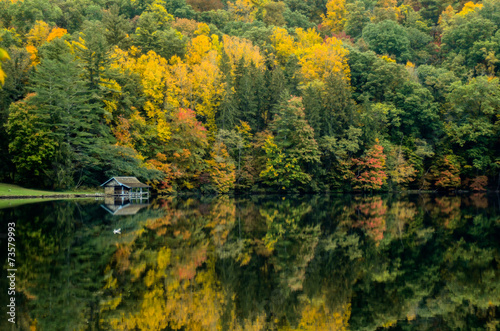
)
(158, 89)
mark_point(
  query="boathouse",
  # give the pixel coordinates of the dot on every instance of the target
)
(125, 186)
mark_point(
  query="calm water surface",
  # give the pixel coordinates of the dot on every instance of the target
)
(412, 262)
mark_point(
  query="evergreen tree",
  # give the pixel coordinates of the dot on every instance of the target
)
(338, 106)
(260, 96)
(294, 135)
(116, 25)
(94, 54)
(64, 104)
(226, 116)
(313, 106)
(276, 88)
(245, 94)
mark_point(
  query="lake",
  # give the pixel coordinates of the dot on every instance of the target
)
(318, 262)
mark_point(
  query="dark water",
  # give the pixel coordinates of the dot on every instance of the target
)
(414, 262)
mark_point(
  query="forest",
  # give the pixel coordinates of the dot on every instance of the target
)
(224, 96)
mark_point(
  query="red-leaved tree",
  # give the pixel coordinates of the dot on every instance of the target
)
(370, 170)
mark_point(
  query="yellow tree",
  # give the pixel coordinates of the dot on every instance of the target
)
(221, 168)
(469, 8)
(320, 61)
(284, 44)
(400, 171)
(205, 76)
(56, 33)
(307, 39)
(201, 44)
(318, 58)
(3, 57)
(446, 17)
(168, 87)
(335, 15)
(155, 76)
(243, 10)
(156, 81)
(237, 49)
(40, 34)
(35, 38)
(121, 61)
(182, 87)
(207, 90)
(316, 315)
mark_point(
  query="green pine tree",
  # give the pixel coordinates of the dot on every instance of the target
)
(64, 103)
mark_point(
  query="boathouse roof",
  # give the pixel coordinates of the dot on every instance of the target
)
(122, 210)
(129, 182)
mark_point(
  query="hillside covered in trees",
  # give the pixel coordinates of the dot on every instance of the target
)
(251, 95)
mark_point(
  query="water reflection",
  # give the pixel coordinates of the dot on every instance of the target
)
(122, 206)
(417, 262)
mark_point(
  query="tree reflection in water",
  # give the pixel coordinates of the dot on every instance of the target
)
(416, 262)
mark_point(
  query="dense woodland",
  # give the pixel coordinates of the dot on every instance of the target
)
(251, 95)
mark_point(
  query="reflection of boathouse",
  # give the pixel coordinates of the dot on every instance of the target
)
(126, 186)
(126, 208)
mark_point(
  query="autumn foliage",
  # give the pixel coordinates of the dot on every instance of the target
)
(446, 173)
(336, 95)
(370, 170)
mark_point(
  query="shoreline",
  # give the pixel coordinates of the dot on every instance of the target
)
(103, 195)
(54, 196)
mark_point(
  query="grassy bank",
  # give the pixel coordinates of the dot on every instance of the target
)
(9, 190)
(9, 203)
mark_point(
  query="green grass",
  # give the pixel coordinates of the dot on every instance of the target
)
(9, 203)
(15, 190)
